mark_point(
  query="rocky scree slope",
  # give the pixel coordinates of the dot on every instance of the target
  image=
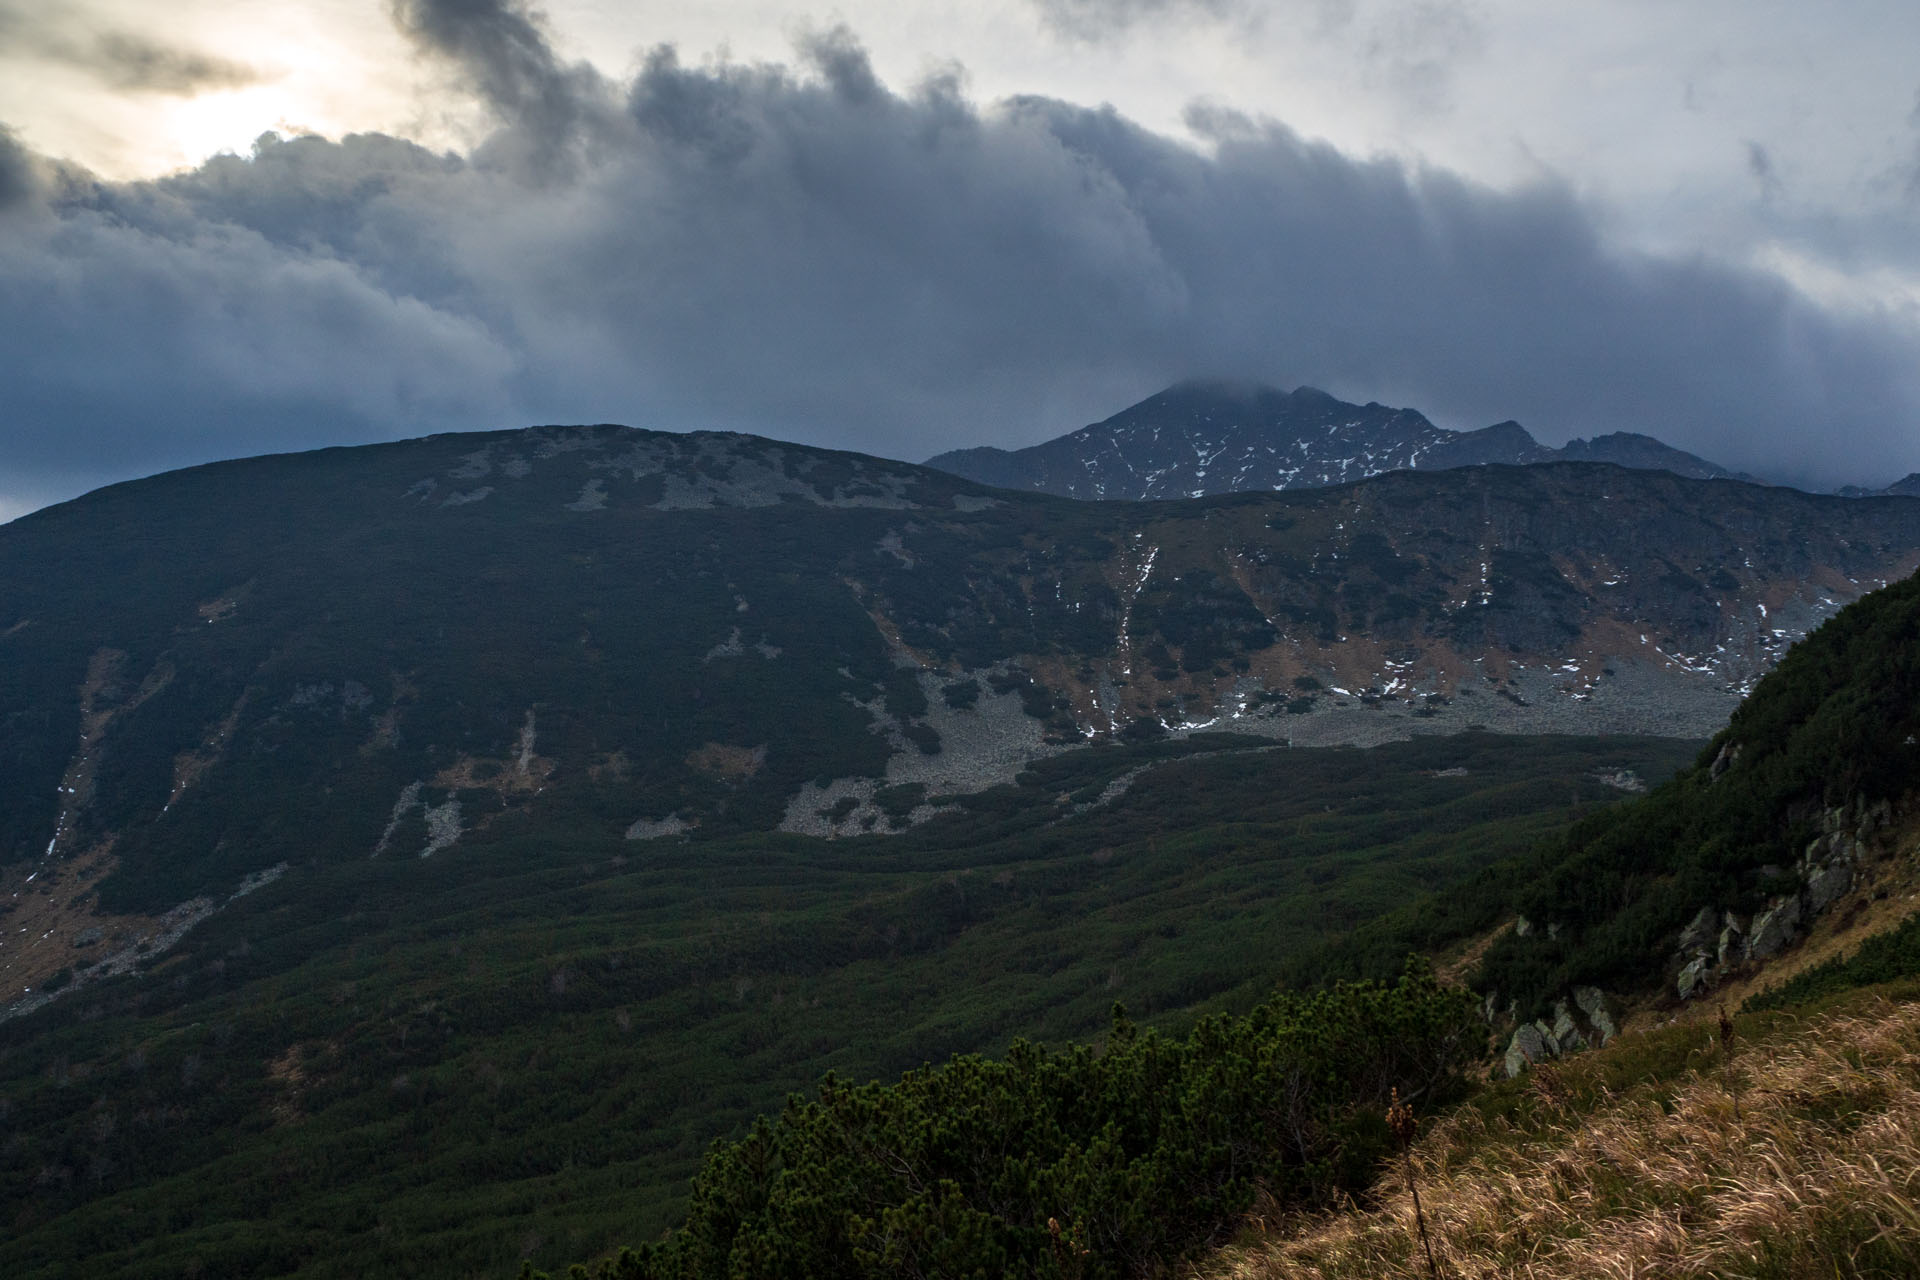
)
(1200, 438)
(369, 653)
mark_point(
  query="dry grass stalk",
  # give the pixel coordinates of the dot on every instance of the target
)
(1819, 1176)
(1403, 1126)
(1726, 1059)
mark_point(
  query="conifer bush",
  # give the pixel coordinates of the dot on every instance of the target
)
(1098, 1162)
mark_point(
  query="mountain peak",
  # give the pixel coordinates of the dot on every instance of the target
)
(1212, 436)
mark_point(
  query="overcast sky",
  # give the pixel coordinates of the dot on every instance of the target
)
(232, 227)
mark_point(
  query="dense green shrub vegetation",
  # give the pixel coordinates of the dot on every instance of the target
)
(524, 1046)
(1885, 957)
(1098, 1163)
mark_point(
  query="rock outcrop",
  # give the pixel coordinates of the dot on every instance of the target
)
(1526, 1048)
(1715, 943)
(1593, 1003)
(1581, 1020)
(1698, 936)
(1775, 929)
(1696, 976)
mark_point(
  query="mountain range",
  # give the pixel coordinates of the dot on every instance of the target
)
(412, 857)
(1197, 439)
(359, 652)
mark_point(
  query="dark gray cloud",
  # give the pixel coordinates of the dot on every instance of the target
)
(119, 59)
(1760, 168)
(127, 61)
(502, 50)
(805, 252)
(18, 181)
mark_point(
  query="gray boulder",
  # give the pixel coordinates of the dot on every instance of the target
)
(1698, 936)
(1566, 1032)
(1695, 978)
(1733, 942)
(1593, 1003)
(1827, 882)
(1527, 1047)
(1775, 929)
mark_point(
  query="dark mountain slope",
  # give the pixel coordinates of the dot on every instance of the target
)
(1200, 438)
(376, 653)
(1906, 487)
(1642, 453)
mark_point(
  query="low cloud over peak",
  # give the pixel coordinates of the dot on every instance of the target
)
(804, 251)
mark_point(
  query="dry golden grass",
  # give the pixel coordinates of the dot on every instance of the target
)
(1818, 1176)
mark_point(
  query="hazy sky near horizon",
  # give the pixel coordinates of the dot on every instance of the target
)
(232, 227)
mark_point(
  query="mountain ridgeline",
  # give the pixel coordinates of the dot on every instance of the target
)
(1197, 439)
(366, 652)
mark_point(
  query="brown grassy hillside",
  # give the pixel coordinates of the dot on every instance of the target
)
(1796, 1155)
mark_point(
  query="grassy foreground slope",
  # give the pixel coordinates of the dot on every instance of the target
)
(522, 1047)
(1795, 1151)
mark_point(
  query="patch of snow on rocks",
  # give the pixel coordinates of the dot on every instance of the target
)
(593, 496)
(728, 648)
(658, 828)
(981, 746)
(443, 826)
(409, 797)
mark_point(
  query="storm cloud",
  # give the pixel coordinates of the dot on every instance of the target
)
(17, 179)
(507, 59)
(803, 251)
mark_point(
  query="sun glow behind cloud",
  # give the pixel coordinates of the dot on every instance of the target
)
(330, 67)
(229, 120)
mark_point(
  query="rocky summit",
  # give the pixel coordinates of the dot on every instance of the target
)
(1200, 438)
